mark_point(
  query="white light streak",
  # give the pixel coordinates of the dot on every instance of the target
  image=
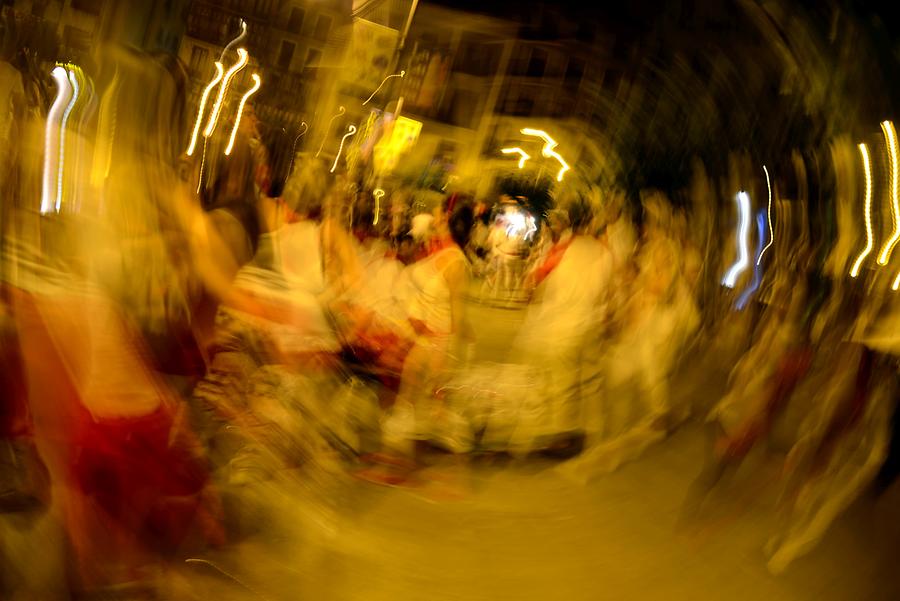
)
(240, 111)
(223, 89)
(743, 202)
(870, 244)
(212, 84)
(73, 79)
(239, 37)
(51, 154)
(294, 145)
(350, 131)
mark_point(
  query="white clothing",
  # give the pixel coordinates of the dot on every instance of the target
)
(430, 303)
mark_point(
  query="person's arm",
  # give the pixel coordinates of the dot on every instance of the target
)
(456, 277)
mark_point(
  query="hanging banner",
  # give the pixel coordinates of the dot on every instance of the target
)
(369, 55)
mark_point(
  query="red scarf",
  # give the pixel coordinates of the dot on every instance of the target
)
(554, 257)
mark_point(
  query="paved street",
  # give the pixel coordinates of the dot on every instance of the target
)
(521, 531)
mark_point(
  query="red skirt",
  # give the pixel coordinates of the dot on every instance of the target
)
(140, 480)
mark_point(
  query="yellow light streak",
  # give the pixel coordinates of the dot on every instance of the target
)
(890, 135)
(854, 271)
(350, 131)
(401, 74)
(548, 149)
(223, 89)
(240, 111)
(377, 193)
(524, 156)
(341, 111)
(212, 84)
(769, 218)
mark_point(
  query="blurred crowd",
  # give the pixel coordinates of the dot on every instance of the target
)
(183, 333)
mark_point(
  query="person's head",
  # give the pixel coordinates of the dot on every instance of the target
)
(558, 222)
(580, 216)
(460, 224)
(307, 188)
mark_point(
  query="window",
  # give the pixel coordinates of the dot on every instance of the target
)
(312, 57)
(199, 57)
(537, 63)
(286, 54)
(76, 39)
(88, 6)
(574, 71)
(323, 26)
(611, 81)
(295, 22)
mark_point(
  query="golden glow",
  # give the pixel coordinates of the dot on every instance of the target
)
(340, 112)
(350, 131)
(240, 111)
(854, 271)
(740, 265)
(403, 135)
(377, 193)
(548, 149)
(401, 74)
(51, 151)
(223, 89)
(215, 80)
(769, 215)
(524, 155)
(890, 135)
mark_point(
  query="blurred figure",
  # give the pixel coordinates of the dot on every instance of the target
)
(436, 315)
(128, 477)
(635, 407)
(565, 312)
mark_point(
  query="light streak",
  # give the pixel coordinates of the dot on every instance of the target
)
(548, 149)
(54, 116)
(524, 156)
(239, 37)
(106, 133)
(294, 145)
(854, 271)
(202, 165)
(531, 227)
(768, 218)
(757, 269)
(215, 80)
(223, 89)
(377, 193)
(73, 79)
(401, 74)
(740, 265)
(340, 112)
(240, 111)
(896, 284)
(350, 131)
(891, 136)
